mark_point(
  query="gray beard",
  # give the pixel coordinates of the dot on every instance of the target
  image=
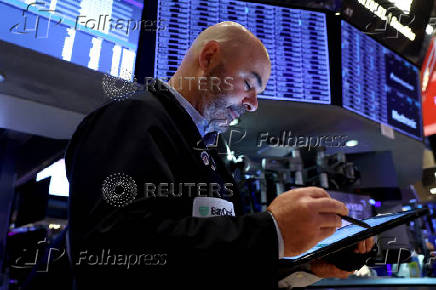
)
(215, 123)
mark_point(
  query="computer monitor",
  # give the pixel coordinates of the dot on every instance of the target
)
(101, 35)
(379, 84)
(398, 24)
(296, 41)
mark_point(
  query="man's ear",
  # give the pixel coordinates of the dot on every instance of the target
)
(209, 55)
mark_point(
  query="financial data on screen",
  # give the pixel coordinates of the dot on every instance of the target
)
(379, 84)
(296, 41)
(101, 35)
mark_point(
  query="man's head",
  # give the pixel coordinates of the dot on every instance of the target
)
(223, 72)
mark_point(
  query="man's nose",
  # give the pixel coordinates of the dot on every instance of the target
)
(250, 103)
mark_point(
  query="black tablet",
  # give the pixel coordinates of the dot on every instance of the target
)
(352, 234)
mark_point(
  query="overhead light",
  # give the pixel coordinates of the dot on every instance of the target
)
(429, 29)
(338, 13)
(433, 190)
(352, 143)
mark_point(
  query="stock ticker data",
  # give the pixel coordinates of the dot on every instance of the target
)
(379, 84)
(101, 35)
(296, 41)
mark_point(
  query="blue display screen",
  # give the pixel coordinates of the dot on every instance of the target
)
(101, 35)
(379, 84)
(296, 41)
(349, 231)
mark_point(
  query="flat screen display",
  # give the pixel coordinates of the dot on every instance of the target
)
(350, 230)
(398, 24)
(296, 41)
(101, 35)
(379, 84)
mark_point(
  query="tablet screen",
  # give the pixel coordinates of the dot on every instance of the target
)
(350, 230)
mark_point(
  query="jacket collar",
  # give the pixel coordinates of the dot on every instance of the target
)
(167, 96)
(199, 120)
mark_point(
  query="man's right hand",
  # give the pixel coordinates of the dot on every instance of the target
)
(305, 217)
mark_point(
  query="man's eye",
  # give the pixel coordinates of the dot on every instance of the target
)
(247, 85)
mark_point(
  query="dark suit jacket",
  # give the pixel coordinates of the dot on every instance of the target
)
(150, 138)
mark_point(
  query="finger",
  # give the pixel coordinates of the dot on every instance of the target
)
(327, 270)
(326, 232)
(329, 205)
(369, 244)
(344, 274)
(329, 220)
(317, 192)
(361, 247)
(338, 273)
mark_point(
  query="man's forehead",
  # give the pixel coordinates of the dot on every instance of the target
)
(251, 62)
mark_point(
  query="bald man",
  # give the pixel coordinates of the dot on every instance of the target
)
(152, 206)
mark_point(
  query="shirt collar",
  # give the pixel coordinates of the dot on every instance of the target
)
(201, 123)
